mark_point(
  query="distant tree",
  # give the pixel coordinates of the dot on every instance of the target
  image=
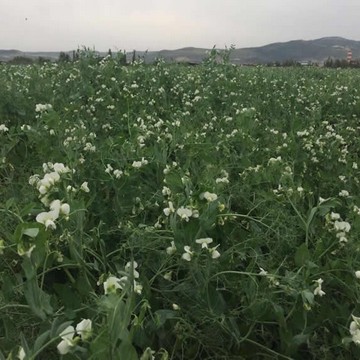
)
(121, 57)
(41, 60)
(110, 53)
(76, 55)
(290, 62)
(133, 56)
(21, 60)
(64, 57)
(329, 62)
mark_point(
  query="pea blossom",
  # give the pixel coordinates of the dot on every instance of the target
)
(318, 290)
(355, 330)
(67, 342)
(111, 285)
(84, 328)
(128, 267)
(48, 218)
(187, 254)
(214, 253)
(84, 187)
(21, 354)
(208, 196)
(204, 242)
(184, 213)
(171, 249)
(167, 211)
(342, 226)
(3, 128)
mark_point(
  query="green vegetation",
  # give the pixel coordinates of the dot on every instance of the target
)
(175, 212)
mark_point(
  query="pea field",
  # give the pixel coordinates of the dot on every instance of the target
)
(173, 212)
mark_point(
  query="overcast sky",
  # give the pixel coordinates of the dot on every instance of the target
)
(54, 25)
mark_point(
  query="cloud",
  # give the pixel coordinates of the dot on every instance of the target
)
(158, 24)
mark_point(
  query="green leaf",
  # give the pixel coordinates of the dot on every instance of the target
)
(302, 255)
(311, 216)
(32, 232)
(40, 341)
(300, 339)
(308, 297)
(24, 343)
(119, 318)
(57, 327)
(325, 206)
(215, 300)
(126, 351)
(37, 299)
(162, 315)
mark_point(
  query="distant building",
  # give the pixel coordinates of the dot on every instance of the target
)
(349, 56)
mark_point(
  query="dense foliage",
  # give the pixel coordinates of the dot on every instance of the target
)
(175, 212)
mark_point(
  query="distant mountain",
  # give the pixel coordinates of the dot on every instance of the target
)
(299, 50)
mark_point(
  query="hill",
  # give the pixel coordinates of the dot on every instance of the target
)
(317, 50)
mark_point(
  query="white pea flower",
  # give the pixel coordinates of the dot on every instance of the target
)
(136, 164)
(128, 267)
(48, 218)
(34, 179)
(204, 242)
(208, 196)
(167, 211)
(3, 128)
(139, 164)
(184, 213)
(118, 173)
(342, 237)
(274, 160)
(67, 342)
(55, 205)
(214, 252)
(138, 288)
(89, 147)
(318, 290)
(112, 284)
(108, 169)
(21, 354)
(176, 307)
(344, 193)
(195, 213)
(187, 254)
(84, 328)
(84, 187)
(342, 226)
(43, 107)
(171, 249)
(357, 274)
(166, 191)
(355, 330)
(60, 168)
(168, 275)
(263, 272)
(334, 216)
(65, 209)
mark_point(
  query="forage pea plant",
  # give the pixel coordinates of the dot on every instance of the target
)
(161, 211)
